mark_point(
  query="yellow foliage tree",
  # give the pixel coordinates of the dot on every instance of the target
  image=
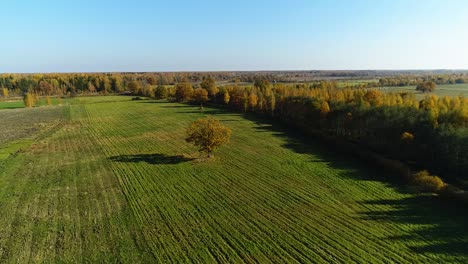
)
(324, 109)
(4, 92)
(29, 100)
(428, 182)
(253, 100)
(374, 97)
(227, 97)
(208, 134)
(407, 137)
(200, 96)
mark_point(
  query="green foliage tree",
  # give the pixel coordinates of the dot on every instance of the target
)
(105, 85)
(160, 92)
(134, 87)
(272, 103)
(116, 84)
(91, 87)
(209, 84)
(208, 134)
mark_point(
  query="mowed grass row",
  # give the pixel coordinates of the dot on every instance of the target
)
(268, 197)
(60, 203)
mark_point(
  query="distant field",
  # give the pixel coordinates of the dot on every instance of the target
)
(18, 103)
(11, 104)
(347, 83)
(112, 180)
(441, 90)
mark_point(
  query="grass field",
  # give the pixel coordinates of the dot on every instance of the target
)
(107, 179)
(18, 103)
(441, 90)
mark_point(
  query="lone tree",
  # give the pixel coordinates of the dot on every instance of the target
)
(428, 86)
(208, 134)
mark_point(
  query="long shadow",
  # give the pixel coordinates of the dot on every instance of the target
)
(176, 106)
(445, 223)
(204, 112)
(11, 107)
(151, 158)
(300, 143)
(164, 102)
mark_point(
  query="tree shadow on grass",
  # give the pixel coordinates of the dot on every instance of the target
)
(151, 158)
(176, 106)
(295, 140)
(444, 223)
(204, 112)
(169, 104)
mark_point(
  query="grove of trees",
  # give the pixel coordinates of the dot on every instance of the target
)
(424, 87)
(430, 133)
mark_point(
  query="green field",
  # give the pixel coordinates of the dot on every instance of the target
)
(18, 103)
(107, 179)
(11, 104)
(441, 90)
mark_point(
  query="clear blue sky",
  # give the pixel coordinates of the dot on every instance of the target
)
(140, 35)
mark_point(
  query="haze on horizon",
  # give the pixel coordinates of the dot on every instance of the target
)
(144, 35)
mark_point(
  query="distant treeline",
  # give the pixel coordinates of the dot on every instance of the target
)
(415, 80)
(89, 83)
(429, 133)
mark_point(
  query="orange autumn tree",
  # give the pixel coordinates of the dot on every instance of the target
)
(208, 134)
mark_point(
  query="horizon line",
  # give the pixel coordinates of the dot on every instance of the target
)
(246, 71)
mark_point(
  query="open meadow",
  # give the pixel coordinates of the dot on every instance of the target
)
(107, 179)
(441, 90)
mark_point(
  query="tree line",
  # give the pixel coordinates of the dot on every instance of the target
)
(429, 133)
(407, 80)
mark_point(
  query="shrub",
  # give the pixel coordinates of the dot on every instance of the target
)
(428, 182)
(407, 137)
